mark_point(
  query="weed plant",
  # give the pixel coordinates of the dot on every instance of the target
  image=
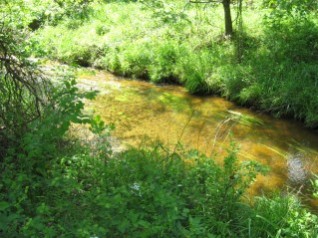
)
(61, 190)
(138, 193)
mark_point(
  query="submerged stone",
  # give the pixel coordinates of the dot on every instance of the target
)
(297, 174)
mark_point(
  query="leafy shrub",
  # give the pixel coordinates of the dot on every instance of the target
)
(282, 216)
(148, 193)
(24, 92)
(138, 193)
(28, 177)
(51, 12)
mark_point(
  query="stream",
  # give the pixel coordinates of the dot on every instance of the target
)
(143, 113)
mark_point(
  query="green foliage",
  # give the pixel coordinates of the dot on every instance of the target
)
(314, 183)
(52, 186)
(138, 193)
(23, 89)
(165, 11)
(42, 12)
(33, 186)
(274, 53)
(281, 9)
(282, 216)
(141, 193)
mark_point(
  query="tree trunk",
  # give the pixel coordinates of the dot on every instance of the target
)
(227, 17)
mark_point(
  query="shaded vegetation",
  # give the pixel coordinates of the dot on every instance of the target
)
(142, 193)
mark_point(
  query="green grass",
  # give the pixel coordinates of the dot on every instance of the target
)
(184, 44)
(85, 191)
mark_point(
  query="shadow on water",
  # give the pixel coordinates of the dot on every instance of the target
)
(143, 112)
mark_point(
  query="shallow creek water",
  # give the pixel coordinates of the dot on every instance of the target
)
(143, 112)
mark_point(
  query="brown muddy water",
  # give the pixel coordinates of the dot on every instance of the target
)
(143, 113)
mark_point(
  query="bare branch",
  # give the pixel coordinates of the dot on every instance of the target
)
(23, 89)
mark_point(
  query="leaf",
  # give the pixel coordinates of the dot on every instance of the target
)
(4, 205)
(144, 224)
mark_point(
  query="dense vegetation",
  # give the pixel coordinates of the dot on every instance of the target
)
(54, 185)
(270, 63)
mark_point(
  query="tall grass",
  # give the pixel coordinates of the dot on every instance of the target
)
(183, 44)
(140, 193)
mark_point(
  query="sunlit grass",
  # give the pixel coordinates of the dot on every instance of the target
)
(184, 44)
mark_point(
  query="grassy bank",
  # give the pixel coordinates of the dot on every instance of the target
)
(270, 65)
(84, 191)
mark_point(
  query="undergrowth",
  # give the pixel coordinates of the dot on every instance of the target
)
(171, 42)
(139, 193)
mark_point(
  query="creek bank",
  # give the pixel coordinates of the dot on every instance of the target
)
(274, 75)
